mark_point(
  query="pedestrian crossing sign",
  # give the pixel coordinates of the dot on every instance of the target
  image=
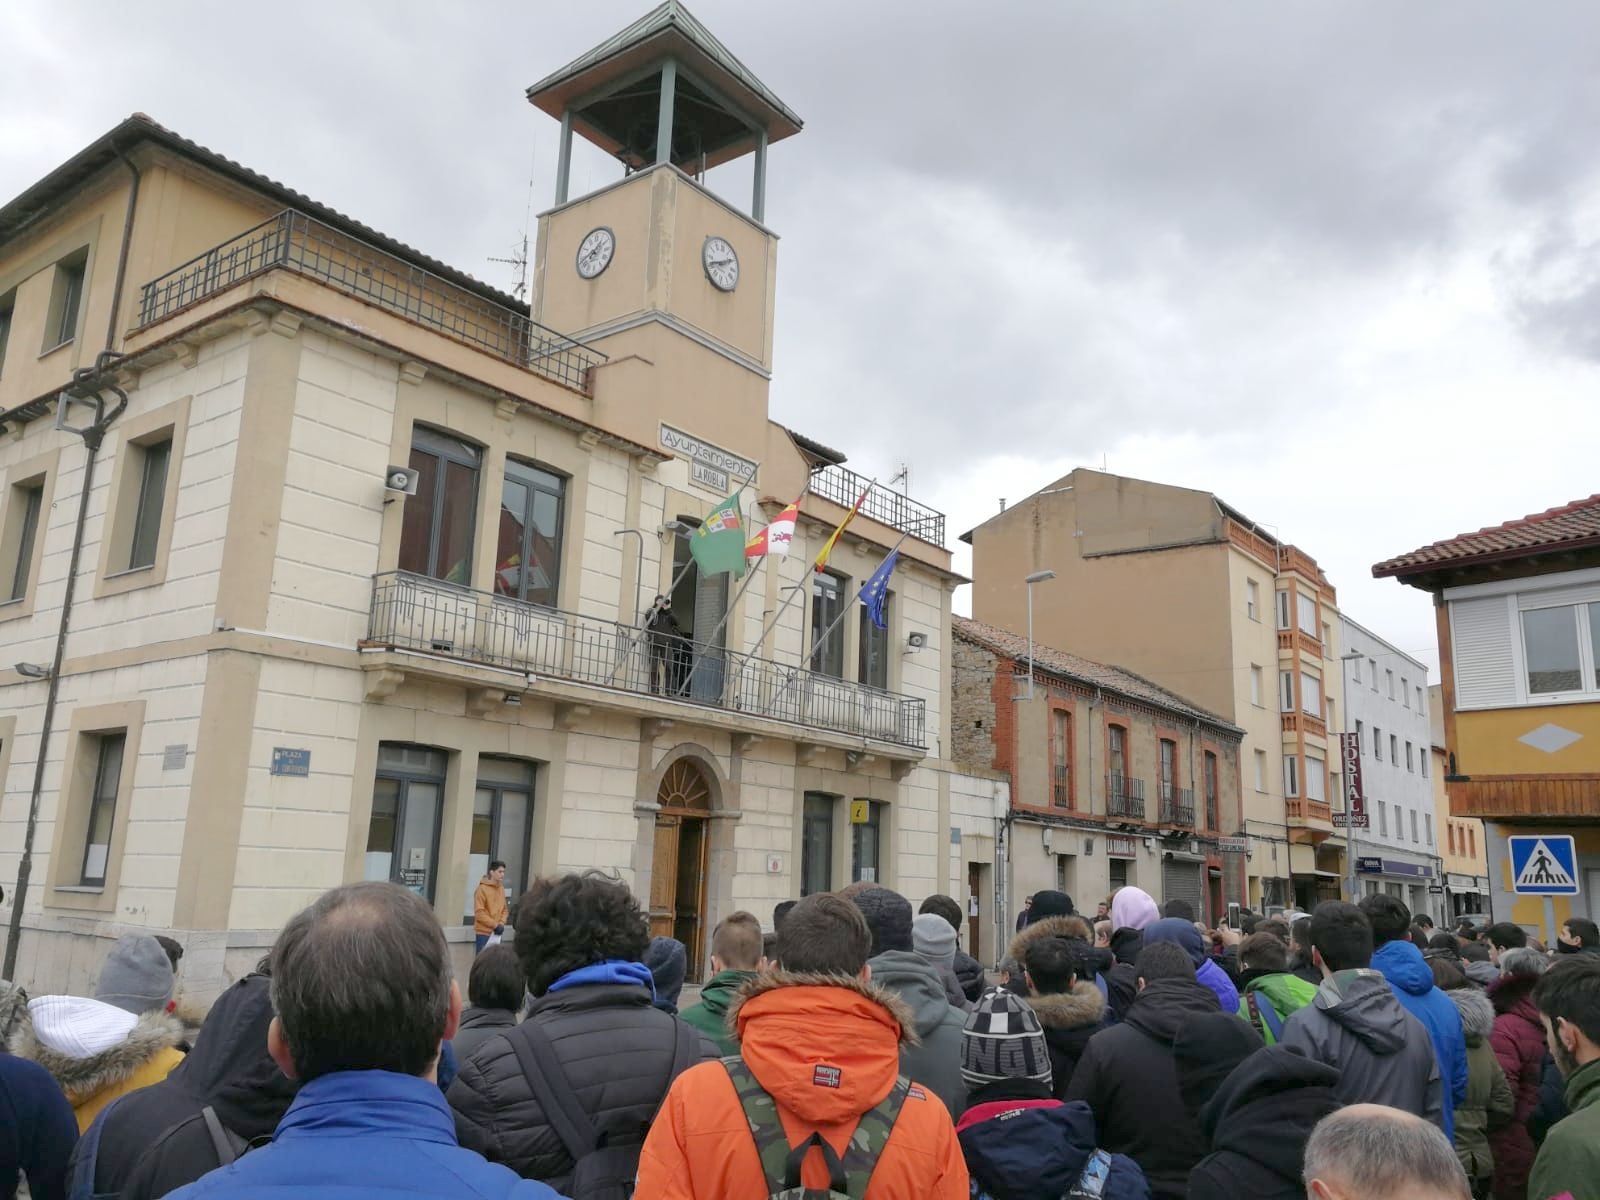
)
(1544, 866)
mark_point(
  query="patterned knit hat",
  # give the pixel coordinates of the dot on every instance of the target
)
(1003, 1040)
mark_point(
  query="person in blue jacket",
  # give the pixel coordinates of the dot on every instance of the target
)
(1206, 972)
(362, 988)
(37, 1128)
(1410, 977)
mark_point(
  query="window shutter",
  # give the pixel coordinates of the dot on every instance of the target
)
(1485, 659)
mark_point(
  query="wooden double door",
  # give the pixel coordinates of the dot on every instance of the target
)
(679, 864)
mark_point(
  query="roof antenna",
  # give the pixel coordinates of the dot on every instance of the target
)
(903, 477)
(518, 259)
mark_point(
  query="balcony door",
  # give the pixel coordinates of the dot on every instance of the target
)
(698, 605)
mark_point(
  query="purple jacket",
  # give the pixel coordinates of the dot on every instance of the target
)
(1207, 974)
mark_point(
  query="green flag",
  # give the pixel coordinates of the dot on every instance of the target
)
(718, 545)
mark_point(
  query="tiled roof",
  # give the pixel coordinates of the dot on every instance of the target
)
(1570, 527)
(1081, 670)
(19, 213)
(815, 448)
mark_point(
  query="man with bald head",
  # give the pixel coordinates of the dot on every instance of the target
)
(1373, 1152)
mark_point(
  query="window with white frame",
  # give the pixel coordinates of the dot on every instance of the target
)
(1427, 819)
(1405, 691)
(1389, 675)
(1414, 836)
(1394, 750)
(1372, 670)
(1310, 694)
(1377, 743)
(1410, 762)
(1423, 762)
(1316, 778)
(1357, 665)
(1559, 649)
(1308, 613)
(1261, 770)
(1286, 691)
(1283, 610)
(1256, 685)
(1327, 640)
(1252, 599)
(1291, 775)
(1383, 819)
(1419, 701)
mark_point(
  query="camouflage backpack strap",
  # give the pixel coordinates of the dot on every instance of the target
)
(872, 1135)
(761, 1111)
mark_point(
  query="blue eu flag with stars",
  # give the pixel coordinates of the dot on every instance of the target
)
(875, 592)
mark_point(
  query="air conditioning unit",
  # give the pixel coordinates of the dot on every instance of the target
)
(401, 479)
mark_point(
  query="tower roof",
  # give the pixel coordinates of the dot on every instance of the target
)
(596, 88)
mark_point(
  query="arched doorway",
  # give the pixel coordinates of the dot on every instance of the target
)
(678, 871)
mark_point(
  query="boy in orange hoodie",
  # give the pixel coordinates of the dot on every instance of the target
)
(818, 1066)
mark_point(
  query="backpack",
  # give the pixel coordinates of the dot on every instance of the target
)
(601, 1170)
(780, 1162)
(228, 1145)
(1265, 1018)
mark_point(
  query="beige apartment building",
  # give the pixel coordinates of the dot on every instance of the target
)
(331, 562)
(1114, 781)
(1178, 586)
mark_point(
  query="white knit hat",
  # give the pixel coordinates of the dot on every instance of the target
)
(78, 1027)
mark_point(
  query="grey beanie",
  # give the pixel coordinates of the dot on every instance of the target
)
(136, 976)
(932, 937)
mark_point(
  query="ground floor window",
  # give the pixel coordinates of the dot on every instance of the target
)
(1119, 872)
(502, 825)
(816, 844)
(866, 845)
(403, 831)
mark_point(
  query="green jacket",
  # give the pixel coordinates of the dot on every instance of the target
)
(709, 1015)
(1287, 994)
(1488, 1103)
(1569, 1161)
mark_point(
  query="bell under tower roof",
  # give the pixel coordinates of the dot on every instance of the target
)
(664, 90)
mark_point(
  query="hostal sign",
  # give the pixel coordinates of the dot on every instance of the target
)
(710, 466)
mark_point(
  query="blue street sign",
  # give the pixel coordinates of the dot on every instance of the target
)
(1544, 865)
(289, 761)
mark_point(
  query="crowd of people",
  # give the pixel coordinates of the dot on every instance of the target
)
(853, 1050)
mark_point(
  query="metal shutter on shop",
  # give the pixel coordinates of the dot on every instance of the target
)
(1181, 881)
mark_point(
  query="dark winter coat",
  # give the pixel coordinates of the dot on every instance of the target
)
(617, 1051)
(1569, 1161)
(1024, 1147)
(1519, 1046)
(155, 1140)
(1258, 1124)
(478, 1025)
(970, 975)
(1382, 1052)
(1128, 1077)
(1402, 964)
(936, 1062)
(37, 1130)
(1488, 1104)
(1069, 1020)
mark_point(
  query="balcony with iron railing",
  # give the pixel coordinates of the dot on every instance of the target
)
(1124, 796)
(1177, 806)
(1061, 786)
(883, 504)
(427, 616)
(292, 241)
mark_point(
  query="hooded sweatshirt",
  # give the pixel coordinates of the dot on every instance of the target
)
(1284, 994)
(1383, 1055)
(934, 1059)
(1206, 972)
(97, 1051)
(826, 1049)
(1488, 1103)
(156, 1140)
(1020, 1146)
(710, 1015)
(1132, 908)
(1129, 1078)
(1258, 1124)
(1402, 964)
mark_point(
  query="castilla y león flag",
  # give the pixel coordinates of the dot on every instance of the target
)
(777, 536)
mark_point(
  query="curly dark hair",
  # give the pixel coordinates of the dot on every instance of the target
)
(573, 921)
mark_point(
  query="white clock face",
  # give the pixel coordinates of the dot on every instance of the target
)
(721, 263)
(595, 251)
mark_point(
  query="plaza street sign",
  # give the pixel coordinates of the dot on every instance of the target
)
(1543, 865)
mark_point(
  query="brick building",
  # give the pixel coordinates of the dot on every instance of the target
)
(1113, 779)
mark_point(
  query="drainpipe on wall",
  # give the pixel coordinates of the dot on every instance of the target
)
(87, 383)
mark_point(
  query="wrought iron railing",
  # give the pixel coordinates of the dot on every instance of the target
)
(1061, 786)
(293, 241)
(1212, 815)
(410, 612)
(1177, 806)
(882, 504)
(1124, 796)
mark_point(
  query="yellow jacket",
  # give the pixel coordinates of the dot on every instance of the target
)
(145, 1056)
(489, 907)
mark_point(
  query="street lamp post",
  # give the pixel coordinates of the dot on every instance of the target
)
(1030, 580)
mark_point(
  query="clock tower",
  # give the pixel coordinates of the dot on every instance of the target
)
(654, 266)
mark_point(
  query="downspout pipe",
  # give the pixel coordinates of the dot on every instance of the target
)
(86, 382)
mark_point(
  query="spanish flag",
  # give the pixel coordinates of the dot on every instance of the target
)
(833, 538)
(776, 537)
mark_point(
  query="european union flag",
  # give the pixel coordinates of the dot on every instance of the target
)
(875, 592)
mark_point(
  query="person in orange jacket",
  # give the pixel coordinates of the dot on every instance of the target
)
(819, 1062)
(489, 908)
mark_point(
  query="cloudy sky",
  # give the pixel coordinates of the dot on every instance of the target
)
(1338, 262)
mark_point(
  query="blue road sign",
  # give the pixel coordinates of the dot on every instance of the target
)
(1544, 865)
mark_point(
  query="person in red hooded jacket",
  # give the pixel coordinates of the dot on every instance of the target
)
(819, 1047)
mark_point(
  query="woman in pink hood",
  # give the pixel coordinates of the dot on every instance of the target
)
(1132, 908)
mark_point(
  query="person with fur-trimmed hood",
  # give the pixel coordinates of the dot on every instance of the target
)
(819, 1068)
(1489, 1103)
(116, 1043)
(1062, 991)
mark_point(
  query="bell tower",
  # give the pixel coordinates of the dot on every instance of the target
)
(654, 263)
